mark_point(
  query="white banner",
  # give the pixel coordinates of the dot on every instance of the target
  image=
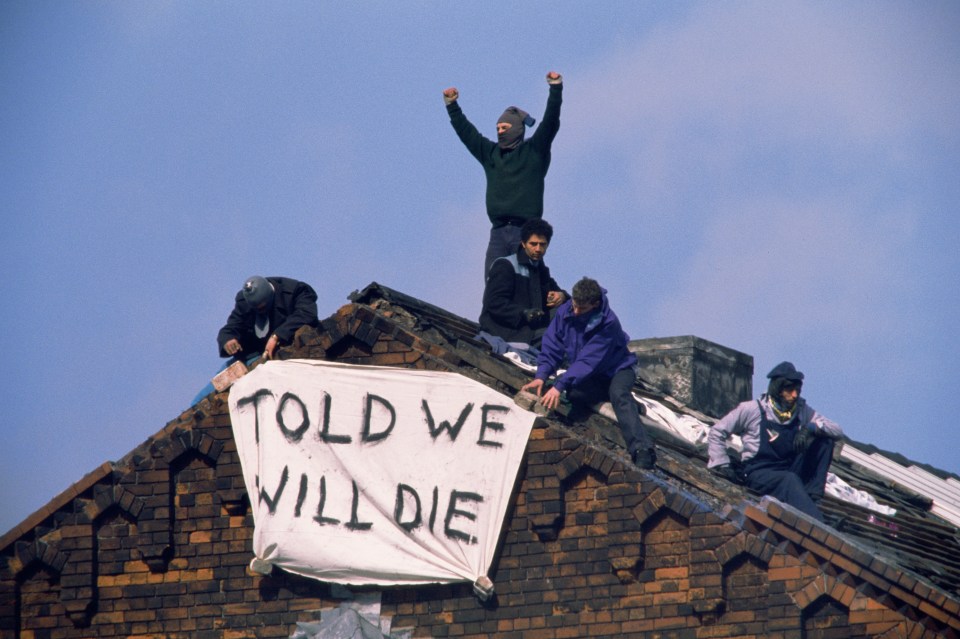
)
(372, 475)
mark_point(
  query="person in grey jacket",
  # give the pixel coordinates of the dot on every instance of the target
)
(787, 445)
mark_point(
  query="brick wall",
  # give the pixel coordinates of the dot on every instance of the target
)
(158, 548)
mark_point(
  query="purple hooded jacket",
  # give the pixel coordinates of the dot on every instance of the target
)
(592, 344)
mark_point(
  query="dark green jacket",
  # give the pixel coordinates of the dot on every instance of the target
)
(514, 178)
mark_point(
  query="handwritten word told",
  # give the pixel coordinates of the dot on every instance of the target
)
(378, 419)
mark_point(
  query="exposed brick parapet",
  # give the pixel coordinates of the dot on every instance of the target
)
(847, 563)
(40, 552)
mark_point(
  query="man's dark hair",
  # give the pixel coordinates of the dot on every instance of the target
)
(587, 291)
(536, 227)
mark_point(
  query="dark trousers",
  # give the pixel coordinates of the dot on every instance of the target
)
(617, 390)
(504, 241)
(802, 484)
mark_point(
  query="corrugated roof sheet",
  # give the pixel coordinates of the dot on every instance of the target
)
(943, 493)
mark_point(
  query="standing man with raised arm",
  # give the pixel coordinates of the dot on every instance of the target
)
(586, 336)
(515, 167)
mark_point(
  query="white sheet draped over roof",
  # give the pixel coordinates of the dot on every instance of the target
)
(373, 475)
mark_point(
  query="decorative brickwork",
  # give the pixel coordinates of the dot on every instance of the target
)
(157, 545)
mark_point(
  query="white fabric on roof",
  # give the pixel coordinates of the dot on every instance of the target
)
(373, 475)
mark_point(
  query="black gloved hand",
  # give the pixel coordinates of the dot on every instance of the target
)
(533, 316)
(727, 472)
(801, 441)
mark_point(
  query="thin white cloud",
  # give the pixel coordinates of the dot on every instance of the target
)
(807, 67)
(776, 172)
(736, 91)
(801, 269)
(752, 134)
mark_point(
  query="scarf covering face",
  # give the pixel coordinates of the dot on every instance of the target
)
(517, 119)
(784, 375)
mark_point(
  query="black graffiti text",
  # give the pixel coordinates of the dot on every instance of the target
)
(295, 419)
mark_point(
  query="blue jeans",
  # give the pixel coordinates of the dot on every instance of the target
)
(504, 241)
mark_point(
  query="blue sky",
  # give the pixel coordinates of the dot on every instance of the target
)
(780, 178)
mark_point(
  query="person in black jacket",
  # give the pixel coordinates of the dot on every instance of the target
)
(515, 167)
(266, 313)
(520, 292)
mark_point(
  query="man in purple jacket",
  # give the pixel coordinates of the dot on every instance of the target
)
(587, 336)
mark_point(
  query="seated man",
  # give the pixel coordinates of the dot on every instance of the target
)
(266, 314)
(787, 446)
(520, 291)
(586, 334)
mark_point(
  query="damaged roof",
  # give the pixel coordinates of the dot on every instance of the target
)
(921, 536)
(909, 554)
